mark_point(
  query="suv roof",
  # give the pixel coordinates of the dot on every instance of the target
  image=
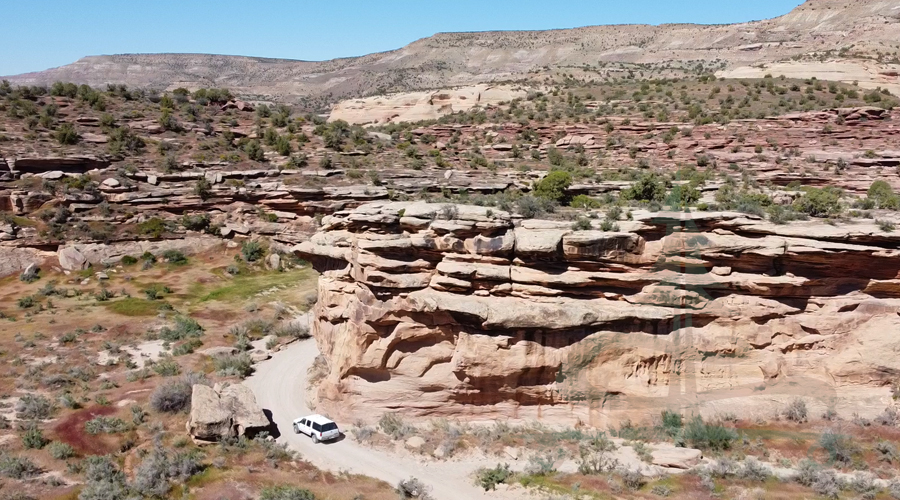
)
(319, 419)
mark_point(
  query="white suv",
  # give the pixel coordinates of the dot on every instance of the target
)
(317, 427)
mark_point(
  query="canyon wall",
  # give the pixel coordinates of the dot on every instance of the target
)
(465, 311)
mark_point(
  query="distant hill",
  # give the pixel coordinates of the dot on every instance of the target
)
(864, 32)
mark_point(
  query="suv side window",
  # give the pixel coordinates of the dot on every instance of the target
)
(303, 422)
(316, 427)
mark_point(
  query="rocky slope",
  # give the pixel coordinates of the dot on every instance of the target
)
(818, 29)
(445, 310)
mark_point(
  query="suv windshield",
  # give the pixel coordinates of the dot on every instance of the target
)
(329, 427)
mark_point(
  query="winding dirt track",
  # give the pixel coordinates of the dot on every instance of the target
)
(279, 385)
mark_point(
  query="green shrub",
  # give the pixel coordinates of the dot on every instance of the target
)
(254, 151)
(103, 294)
(796, 411)
(252, 251)
(283, 146)
(683, 195)
(584, 201)
(30, 274)
(286, 493)
(175, 396)
(184, 328)
(608, 225)
(187, 347)
(839, 447)
(529, 206)
(672, 423)
(393, 425)
(154, 476)
(195, 222)
(594, 455)
(203, 189)
(582, 224)
(823, 202)
(238, 365)
(17, 467)
(106, 425)
(174, 257)
(60, 450)
(705, 436)
(553, 186)
(34, 407)
(128, 260)
(103, 480)
(66, 134)
(649, 187)
(153, 227)
(490, 478)
(123, 141)
(879, 191)
(886, 225)
(167, 367)
(33, 438)
(412, 488)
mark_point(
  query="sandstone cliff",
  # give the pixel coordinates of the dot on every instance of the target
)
(464, 311)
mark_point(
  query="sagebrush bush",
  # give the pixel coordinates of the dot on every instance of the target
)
(252, 251)
(103, 480)
(490, 478)
(60, 450)
(66, 134)
(823, 202)
(106, 425)
(17, 467)
(233, 365)
(33, 438)
(393, 425)
(632, 478)
(175, 396)
(828, 484)
(413, 488)
(154, 476)
(753, 470)
(594, 455)
(840, 447)
(174, 257)
(286, 493)
(708, 436)
(34, 407)
(796, 411)
(184, 328)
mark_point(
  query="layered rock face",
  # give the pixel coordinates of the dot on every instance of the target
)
(463, 311)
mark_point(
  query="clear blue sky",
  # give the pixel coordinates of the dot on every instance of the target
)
(40, 34)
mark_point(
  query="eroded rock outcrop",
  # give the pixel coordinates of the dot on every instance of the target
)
(467, 311)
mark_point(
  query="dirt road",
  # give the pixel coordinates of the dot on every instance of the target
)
(279, 385)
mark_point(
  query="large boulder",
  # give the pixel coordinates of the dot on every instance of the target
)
(245, 412)
(539, 243)
(676, 458)
(71, 259)
(210, 420)
(223, 412)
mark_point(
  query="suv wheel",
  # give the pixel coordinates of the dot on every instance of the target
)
(315, 439)
(296, 429)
